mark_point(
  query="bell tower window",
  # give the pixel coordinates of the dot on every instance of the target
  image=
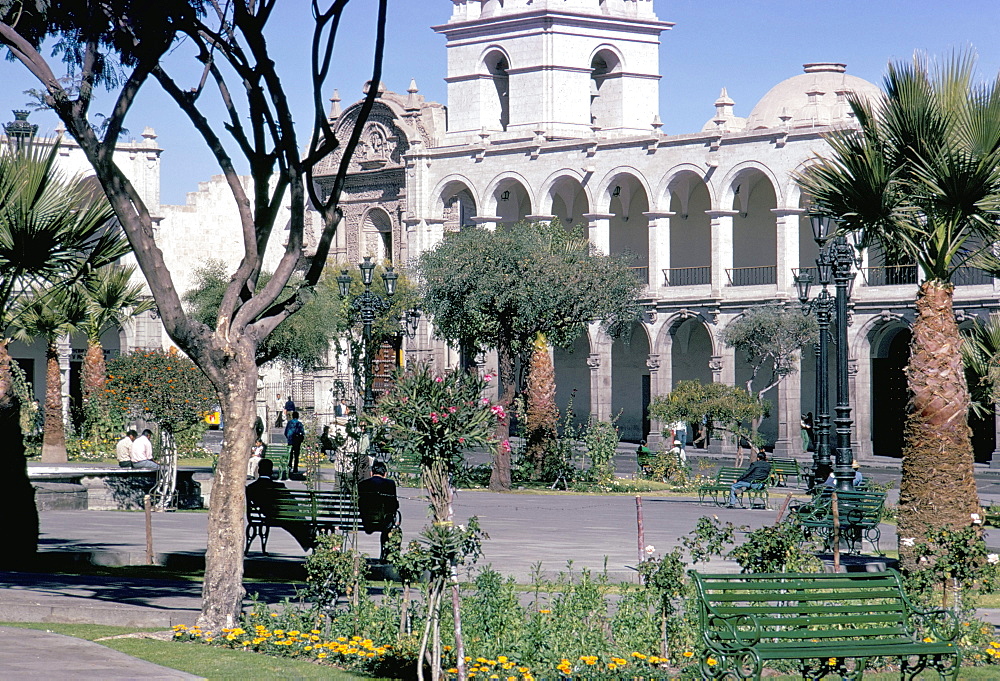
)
(499, 114)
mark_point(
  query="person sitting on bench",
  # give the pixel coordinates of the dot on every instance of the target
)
(261, 493)
(377, 504)
(757, 472)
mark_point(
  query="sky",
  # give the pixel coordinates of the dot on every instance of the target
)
(746, 46)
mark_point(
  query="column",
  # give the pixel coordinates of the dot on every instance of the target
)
(599, 230)
(788, 246)
(722, 248)
(659, 247)
(600, 374)
(655, 426)
(860, 383)
(852, 391)
(490, 222)
(789, 439)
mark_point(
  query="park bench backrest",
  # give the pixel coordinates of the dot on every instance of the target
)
(324, 508)
(727, 475)
(801, 608)
(857, 507)
(784, 466)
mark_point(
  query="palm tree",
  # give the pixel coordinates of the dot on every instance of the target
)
(112, 299)
(52, 228)
(50, 314)
(920, 179)
(981, 355)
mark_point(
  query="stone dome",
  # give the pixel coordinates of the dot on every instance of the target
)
(816, 97)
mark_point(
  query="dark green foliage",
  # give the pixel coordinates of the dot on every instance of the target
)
(727, 408)
(770, 336)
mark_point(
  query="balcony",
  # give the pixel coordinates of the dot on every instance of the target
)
(642, 274)
(752, 276)
(890, 275)
(971, 276)
(687, 276)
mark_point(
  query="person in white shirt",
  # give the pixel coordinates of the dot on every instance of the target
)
(142, 452)
(123, 450)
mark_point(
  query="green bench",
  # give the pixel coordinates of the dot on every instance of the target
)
(823, 621)
(782, 469)
(279, 455)
(305, 513)
(718, 489)
(859, 513)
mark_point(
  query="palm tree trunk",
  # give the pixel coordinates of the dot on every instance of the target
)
(938, 488)
(54, 433)
(94, 371)
(17, 496)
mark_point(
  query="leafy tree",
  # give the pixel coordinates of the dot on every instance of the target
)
(981, 356)
(112, 298)
(498, 289)
(123, 46)
(52, 229)
(49, 314)
(725, 408)
(770, 337)
(920, 179)
(160, 386)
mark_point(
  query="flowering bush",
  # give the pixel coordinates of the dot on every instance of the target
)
(429, 418)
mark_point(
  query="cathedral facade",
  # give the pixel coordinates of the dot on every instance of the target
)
(552, 113)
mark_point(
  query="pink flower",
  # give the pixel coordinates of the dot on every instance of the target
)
(505, 446)
(486, 400)
(488, 377)
(438, 379)
(498, 410)
(461, 440)
(452, 410)
(434, 417)
(385, 419)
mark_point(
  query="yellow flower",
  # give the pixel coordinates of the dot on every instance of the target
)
(545, 612)
(321, 655)
(928, 639)
(711, 662)
(452, 671)
(639, 656)
(502, 659)
(832, 661)
(688, 653)
(612, 666)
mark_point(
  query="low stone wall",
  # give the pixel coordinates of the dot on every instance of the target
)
(107, 489)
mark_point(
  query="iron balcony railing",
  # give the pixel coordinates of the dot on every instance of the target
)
(641, 273)
(752, 276)
(687, 276)
(890, 275)
(971, 276)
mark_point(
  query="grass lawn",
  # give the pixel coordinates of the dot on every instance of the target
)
(201, 660)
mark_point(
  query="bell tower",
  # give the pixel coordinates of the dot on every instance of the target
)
(566, 67)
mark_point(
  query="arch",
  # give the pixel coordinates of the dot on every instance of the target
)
(751, 194)
(675, 179)
(509, 197)
(455, 202)
(628, 228)
(568, 198)
(889, 354)
(376, 235)
(732, 179)
(496, 106)
(630, 379)
(689, 198)
(984, 428)
(606, 91)
(573, 378)
(692, 346)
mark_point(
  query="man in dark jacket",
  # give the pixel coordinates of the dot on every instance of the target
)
(758, 472)
(377, 504)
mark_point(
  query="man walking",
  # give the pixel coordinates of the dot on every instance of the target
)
(295, 433)
(123, 450)
(141, 453)
(758, 472)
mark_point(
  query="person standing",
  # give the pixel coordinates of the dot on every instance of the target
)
(680, 430)
(123, 450)
(295, 433)
(289, 408)
(757, 472)
(342, 410)
(806, 425)
(141, 453)
(377, 504)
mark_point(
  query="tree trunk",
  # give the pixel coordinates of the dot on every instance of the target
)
(94, 371)
(17, 500)
(500, 476)
(938, 488)
(54, 432)
(541, 412)
(222, 591)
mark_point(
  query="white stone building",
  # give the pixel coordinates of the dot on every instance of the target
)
(552, 112)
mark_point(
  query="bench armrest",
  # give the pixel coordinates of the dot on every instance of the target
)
(944, 625)
(737, 627)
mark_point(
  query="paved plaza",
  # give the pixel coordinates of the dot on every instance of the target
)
(556, 530)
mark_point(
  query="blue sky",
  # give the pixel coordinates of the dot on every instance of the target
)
(742, 45)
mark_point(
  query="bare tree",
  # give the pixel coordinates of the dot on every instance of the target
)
(122, 45)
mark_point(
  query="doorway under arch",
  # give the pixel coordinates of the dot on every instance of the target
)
(630, 384)
(889, 394)
(573, 380)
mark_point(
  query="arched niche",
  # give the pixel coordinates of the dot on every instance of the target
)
(457, 206)
(512, 201)
(376, 236)
(628, 227)
(569, 202)
(690, 232)
(755, 234)
(691, 351)
(631, 390)
(890, 353)
(606, 89)
(573, 380)
(496, 107)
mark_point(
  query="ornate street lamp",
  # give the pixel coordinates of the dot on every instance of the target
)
(366, 306)
(836, 261)
(20, 132)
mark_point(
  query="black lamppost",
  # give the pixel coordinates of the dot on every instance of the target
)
(20, 132)
(367, 306)
(836, 260)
